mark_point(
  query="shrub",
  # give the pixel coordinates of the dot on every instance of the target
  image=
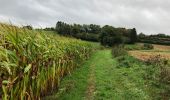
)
(158, 75)
(127, 61)
(123, 62)
(148, 46)
(118, 50)
(133, 47)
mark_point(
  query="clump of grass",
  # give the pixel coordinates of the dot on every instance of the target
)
(144, 46)
(133, 47)
(147, 46)
(127, 61)
(118, 50)
(32, 63)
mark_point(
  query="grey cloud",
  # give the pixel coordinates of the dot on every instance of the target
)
(148, 16)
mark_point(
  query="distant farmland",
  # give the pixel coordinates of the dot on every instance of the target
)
(163, 51)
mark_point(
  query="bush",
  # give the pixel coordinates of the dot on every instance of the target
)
(118, 51)
(123, 62)
(133, 47)
(148, 46)
(158, 75)
(127, 61)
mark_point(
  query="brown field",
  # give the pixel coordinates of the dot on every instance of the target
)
(163, 51)
(161, 47)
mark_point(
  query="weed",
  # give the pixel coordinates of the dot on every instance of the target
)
(118, 51)
(158, 75)
(147, 46)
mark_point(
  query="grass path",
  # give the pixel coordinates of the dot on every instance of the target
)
(100, 79)
(90, 92)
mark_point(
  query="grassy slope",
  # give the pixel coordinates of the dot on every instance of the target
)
(110, 81)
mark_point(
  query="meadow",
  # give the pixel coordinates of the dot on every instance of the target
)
(161, 50)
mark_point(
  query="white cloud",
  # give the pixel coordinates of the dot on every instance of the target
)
(148, 16)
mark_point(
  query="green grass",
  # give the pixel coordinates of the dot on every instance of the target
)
(118, 83)
(73, 87)
(113, 80)
(133, 47)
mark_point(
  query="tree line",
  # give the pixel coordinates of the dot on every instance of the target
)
(160, 38)
(106, 35)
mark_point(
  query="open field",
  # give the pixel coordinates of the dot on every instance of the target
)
(161, 47)
(163, 51)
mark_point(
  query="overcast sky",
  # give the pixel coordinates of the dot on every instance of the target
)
(148, 16)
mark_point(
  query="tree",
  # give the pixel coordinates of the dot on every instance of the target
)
(141, 36)
(133, 36)
(63, 28)
(161, 35)
(49, 29)
(28, 27)
(59, 27)
(107, 35)
(110, 36)
(94, 29)
(75, 29)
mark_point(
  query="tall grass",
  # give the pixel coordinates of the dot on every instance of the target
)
(32, 63)
(158, 76)
(118, 50)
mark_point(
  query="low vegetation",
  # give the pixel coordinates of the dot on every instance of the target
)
(148, 46)
(157, 77)
(118, 50)
(138, 46)
(117, 77)
(154, 73)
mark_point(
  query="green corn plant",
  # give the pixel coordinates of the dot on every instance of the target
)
(32, 63)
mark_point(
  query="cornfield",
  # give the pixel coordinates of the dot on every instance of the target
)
(32, 63)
